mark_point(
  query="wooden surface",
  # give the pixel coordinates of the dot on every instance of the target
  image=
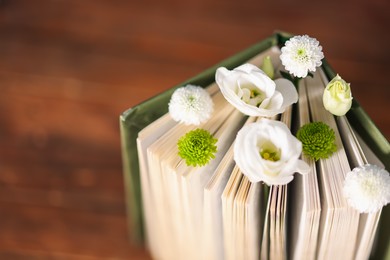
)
(68, 68)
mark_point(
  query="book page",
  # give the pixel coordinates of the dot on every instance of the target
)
(212, 214)
(306, 209)
(166, 166)
(360, 154)
(195, 180)
(254, 220)
(228, 196)
(146, 137)
(337, 218)
(276, 235)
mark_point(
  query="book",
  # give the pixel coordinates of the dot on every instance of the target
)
(215, 212)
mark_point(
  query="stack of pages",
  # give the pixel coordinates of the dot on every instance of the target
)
(215, 212)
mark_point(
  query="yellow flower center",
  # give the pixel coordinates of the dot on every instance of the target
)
(252, 95)
(270, 152)
(301, 55)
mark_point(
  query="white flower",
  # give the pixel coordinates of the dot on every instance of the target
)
(267, 151)
(367, 188)
(301, 54)
(252, 92)
(337, 96)
(191, 105)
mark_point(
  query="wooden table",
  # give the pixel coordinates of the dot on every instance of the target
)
(68, 68)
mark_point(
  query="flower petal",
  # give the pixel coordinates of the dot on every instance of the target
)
(288, 91)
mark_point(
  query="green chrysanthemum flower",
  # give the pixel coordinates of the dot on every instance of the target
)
(318, 140)
(197, 147)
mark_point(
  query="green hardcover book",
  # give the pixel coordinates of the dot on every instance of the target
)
(135, 119)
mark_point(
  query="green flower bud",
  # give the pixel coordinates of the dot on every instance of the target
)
(267, 67)
(337, 97)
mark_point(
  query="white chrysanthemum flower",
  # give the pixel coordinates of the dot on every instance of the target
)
(191, 105)
(267, 151)
(367, 188)
(252, 92)
(301, 54)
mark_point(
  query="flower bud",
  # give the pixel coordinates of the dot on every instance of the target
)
(337, 97)
(267, 67)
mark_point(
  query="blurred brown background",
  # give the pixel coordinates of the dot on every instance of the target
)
(68, 68)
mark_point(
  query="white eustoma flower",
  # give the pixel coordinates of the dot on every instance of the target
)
(267, 151)
(367, 188)
(301, 54)
(337, 97)
(252, 92)
(191, 105)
